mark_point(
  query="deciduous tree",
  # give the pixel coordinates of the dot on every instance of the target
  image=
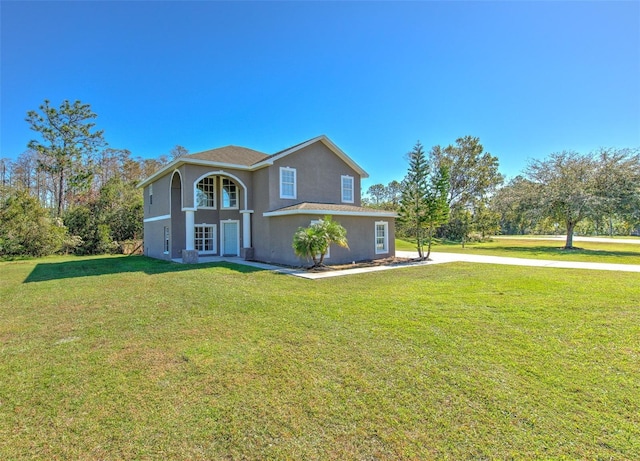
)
(564, 188)
(473, 173)
(26, 228)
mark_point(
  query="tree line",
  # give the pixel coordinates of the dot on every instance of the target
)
(69, 192)
(457, 193)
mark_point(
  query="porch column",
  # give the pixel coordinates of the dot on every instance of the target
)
(189, 222)
(246, 228)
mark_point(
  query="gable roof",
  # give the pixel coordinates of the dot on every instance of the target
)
(243, 158)
(234, 155)
(327, 142)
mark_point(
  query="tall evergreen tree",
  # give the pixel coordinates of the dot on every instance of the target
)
(423, 202)
(68, 142)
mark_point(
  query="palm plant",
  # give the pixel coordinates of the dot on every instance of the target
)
(313, 242)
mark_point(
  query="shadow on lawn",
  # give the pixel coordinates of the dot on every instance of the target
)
(110, 265)
(548, 250)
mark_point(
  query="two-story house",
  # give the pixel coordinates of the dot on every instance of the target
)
(234, 201)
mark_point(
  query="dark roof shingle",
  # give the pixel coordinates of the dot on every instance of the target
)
(234, 155)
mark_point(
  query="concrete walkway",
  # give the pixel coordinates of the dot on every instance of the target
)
(436, 258)
(442, 258)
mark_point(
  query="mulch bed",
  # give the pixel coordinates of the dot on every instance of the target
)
(358, 264)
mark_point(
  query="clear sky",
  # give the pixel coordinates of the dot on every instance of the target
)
(527, 78)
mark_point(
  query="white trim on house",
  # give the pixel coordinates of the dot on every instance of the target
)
(222, 236)
(223, 173)
(236, 191)
(199, 162)
(295, 183)
(385, 248)
(208, 189)
(343, 189)
(181, 189)
(166, 242)
(385, 214)
(157, 218)
(326, 141)
(213, 238)
(256, 166)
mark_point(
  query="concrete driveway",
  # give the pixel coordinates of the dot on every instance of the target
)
(438, 257)
(442, 258)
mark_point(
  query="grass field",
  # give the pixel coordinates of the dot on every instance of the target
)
(528, 247)
(130, 358)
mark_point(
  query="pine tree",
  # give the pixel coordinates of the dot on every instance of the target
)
(68, 144)
(423, 202)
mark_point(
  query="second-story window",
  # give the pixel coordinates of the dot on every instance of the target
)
(347, 189)
(229, 194)
(206, 193)
(287, 182)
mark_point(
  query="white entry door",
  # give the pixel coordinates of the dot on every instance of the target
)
(230, 238)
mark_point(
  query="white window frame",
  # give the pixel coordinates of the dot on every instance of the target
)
(344, 189)
(167, 238)
(222, 194)
(385, 248)
(294, 185)
(199, 242)
(211, 188)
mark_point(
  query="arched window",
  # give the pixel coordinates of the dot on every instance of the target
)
(206, 192)
(229, 194)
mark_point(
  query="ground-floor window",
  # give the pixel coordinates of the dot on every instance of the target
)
(166, 240)
(205, 238)
(382, 237)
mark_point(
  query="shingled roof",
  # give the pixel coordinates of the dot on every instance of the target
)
(233, 155)
(247, 159)
(330, 209)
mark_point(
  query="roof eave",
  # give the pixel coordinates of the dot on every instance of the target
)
(370, 214)
(327, 142)
(179, 162)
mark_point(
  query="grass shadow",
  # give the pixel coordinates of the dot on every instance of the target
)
(118, 265)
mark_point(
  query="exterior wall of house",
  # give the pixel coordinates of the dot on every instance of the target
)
(192, 173)
(154, 238)
(319, 174)
(157, 216)
(360, 236)
(159, 206)
(261, 231)
(177, 229)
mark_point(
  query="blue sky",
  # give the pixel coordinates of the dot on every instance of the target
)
(527, 78)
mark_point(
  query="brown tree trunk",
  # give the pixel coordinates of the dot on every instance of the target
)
(60, 192)
(569, 243)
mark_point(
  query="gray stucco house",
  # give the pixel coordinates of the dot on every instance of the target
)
(234, 201)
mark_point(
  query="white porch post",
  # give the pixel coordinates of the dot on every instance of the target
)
(189, 222)
(246, 228)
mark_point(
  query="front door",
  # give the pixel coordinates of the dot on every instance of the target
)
(230, 238)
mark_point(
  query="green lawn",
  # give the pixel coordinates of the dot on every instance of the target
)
(528, 247)
(129, 358)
